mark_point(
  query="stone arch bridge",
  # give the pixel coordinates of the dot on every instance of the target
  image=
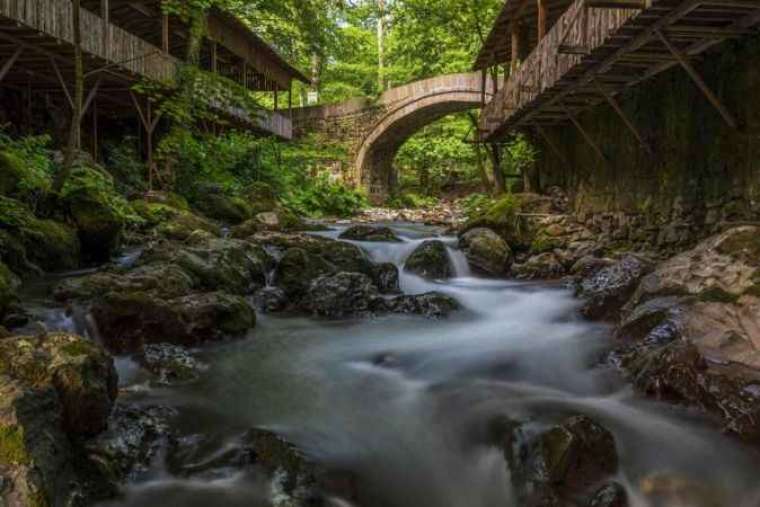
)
(375, 131)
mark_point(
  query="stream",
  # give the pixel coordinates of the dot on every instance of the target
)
(404, 403)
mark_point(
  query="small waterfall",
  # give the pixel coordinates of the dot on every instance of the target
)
(459, 261)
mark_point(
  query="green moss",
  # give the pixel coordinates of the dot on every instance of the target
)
(717, 295)
(12, 446)
(77, 348)
(543, 244)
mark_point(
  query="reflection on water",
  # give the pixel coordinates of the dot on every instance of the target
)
(403, 402)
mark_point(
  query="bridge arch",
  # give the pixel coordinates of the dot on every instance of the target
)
(408, 109)
(376, 130)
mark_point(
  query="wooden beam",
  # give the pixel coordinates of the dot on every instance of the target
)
(483, 84)
(541, 14)
(684, 61)
(618, 4)
(61, 81)
(90, 98)
(585, 135)
(551, 144)
(10, 62)
(619, 110)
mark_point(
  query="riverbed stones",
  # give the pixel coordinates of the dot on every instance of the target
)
(296, 270)
(486, 251)
(670, 490)
(606, 291)
(171, 364)
(386, 278)
(544, 266)
(432, 305)
(370, 234)
(430, 260)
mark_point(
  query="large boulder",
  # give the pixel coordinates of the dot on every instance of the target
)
(386, 278)
(171, 364)
(430, 260)
(98, 211)
(9, 284)
(370, 233)
(168, 280)
(608, 289)
(567, 461)
(29, 243)
(486, 251)
(297, 269)
(341, 295)
(220, 206)
(129, 321)
(231, 265)
(54, 390)
(80, 372)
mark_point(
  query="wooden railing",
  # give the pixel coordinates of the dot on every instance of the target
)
(106, 41)
(573, 38)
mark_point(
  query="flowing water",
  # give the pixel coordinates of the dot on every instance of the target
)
(404, 403)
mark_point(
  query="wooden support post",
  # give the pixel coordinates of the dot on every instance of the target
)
(105, 13)
(149, 124)
(95, 130)
(290, 99)
(483, 84)
(514, 30)
(276, 98)
(684, 61)
(585, 135)
(10, 62)
(214, 61)
(245, 73)
(541, 6)
(165, 32)
(619, 110)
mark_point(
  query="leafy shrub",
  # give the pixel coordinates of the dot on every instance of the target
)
(323, 197)
(411, 200)
(124, 162)
(26, 169)
(475, 205)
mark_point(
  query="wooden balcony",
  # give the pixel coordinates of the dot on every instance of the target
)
(591, 54)
(42, 31)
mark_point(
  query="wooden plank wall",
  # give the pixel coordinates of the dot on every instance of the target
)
(53, 18)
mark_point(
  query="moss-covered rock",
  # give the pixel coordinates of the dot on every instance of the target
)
(261, 197)
(297, 269)
(507, 218)
(223, 207)
(29, 240)
(11, 172)
(98, 210)
(9, 283)
(370, 233)
(486, 251)
(430, 260)
(80, 372)
(129, 321)
(173, 222)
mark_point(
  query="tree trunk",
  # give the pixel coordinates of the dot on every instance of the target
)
(316, 73)
(381, 45)
(75, 133)
(500, 185)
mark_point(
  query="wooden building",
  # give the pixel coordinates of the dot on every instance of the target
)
(563, 57)
(125, 42)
